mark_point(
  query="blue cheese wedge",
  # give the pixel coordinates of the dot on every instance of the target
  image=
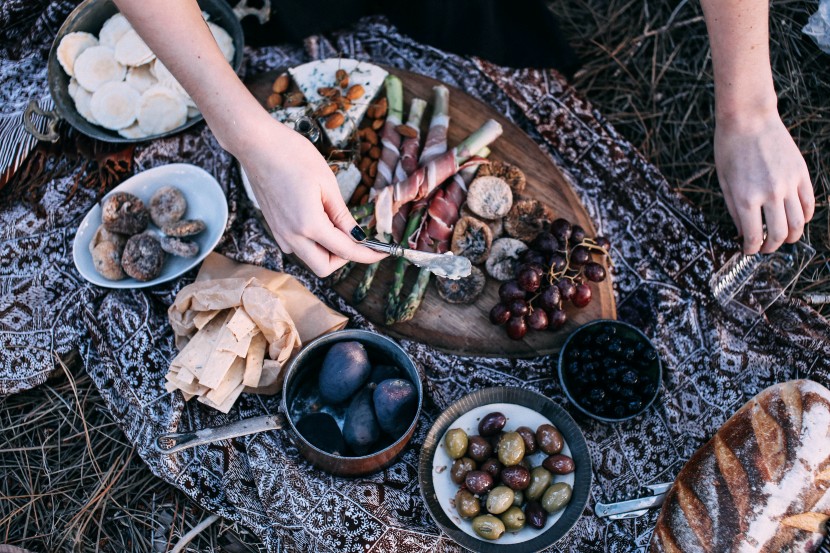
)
(316, 74)
(348, 177)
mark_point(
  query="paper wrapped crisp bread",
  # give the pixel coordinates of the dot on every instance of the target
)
(237, 326)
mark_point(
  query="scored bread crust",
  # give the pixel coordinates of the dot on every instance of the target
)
(759, 482)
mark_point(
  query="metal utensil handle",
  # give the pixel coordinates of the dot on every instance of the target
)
(173, 442)
(52, 117)
(608, 509)
(395, 250)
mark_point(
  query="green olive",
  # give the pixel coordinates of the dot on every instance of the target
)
(467, 505)
(556, 497)
(456, 442)
(499, 500)
(513, 519)
(488, 527)
(511, 449)
(518, 497)
(540, 479)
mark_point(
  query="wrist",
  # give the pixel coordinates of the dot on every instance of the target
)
(746, 112)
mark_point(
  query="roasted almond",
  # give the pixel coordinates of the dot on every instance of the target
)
(365, 147)
(380, 108)
(355, 92)
(334, 168)
(406, 131)
(325, 109)
(377, 124)
(273, 101)
(368, 135)
(343, 103)
(358, 193)
(364, 164)
(341, 78)
(373, 169)
(328, 92)
(335, 120)
(364, 200)
(374, 153)
(293, 99)
(366, 179)
(281, 83)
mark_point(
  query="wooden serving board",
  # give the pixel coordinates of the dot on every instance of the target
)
(466, 329)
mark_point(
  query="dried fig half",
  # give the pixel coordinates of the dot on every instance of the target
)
(489, 197)
(185, 228)
(527, 219)
(103, 235)
(462, 290)
(167, 205)
(143, 257)
(122, 212)
(472, 239)
(106, 258)
(179, 247)
(503, 255)
(496, 227)
(512, 175)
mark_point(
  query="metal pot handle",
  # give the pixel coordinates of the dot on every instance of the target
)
(51, 116)
(173, 442)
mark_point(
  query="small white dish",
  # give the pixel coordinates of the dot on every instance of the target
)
(205, 201)
(445, 488)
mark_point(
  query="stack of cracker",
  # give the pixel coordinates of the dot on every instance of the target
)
(235, 331)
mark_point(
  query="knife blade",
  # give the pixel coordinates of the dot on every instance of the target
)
(632, 508)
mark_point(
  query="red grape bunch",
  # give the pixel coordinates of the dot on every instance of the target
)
(555, 269)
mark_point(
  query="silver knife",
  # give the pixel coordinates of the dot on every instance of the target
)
(633, 508)
(444, 265)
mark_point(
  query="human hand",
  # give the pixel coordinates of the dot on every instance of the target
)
(300, 200)
(761, 170)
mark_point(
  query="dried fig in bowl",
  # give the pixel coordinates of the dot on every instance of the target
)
(124, 213)
(103, 235)
(143, 257)
(106, 258)
(527, 219)
(167, 205)
(472, 239)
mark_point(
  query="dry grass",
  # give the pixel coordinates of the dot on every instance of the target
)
(71, 482)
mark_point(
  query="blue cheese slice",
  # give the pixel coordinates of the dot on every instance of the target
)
(348, 177)
(316, 74)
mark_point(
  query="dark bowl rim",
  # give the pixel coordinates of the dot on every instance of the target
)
(560, 371)
(97, 131)
(354, 334)
(575, 438)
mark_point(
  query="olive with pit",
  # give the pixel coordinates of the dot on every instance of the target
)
(511, 449)
(556, 497)
(488, 527)
(516, 477)
(492, 424)
(467, 505)
(456, 443)
(499, 500)
(559, 464)
(513, 519)
(535, 514)
(460, 468)
(479, 449)
(540, 479)
(530, 439)
(518, 498)
(549, 439)
(493, 466)
(478, 482)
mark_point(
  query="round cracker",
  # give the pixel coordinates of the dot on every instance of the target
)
(223, 39)
(141, 78)
(160, 110)
(97, 65)
(72, 87)
(114, 105)
(166, 78)
(113, 29)
(71, 46)
(193, 112)
(82, 100)
(489, 197)
(131, 50)
(132, 132)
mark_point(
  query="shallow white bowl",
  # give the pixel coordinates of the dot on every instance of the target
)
(205, 201)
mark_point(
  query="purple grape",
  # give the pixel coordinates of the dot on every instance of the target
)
(546, 243)
(561, 230)
(566, 288)
(529, 280)
(532, 256)
(518, 308)
(577, 234)
(582, 295)
(551, 298)
(538, 319)
(557, 318)
(499, 314)
(510, 290)
(557, 262)
(580, 256)
(603, 242)
(595, 271)
(516, 328)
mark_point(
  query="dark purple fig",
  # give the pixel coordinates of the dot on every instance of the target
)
(321, 431)
(360, 427)
(345, 369)
(396, 402)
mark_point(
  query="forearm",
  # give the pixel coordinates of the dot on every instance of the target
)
(739, 35)
(178, 35)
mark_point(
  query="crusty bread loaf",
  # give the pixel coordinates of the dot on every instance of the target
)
(761, 484)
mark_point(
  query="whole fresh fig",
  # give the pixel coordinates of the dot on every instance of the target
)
(345, 369)
(396, 402)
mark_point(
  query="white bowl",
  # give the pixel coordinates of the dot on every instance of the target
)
(205, 201)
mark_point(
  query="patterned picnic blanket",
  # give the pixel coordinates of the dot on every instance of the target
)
(665, 251)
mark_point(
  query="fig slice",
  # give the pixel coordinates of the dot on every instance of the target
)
(496, 227)
(527, 219)
(472, 239)
(503, 256)
(463, 290)
(512, 175)
(489, 197)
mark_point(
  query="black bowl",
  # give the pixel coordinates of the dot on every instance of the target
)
(89, 16)
(652, 371)
(549, 410)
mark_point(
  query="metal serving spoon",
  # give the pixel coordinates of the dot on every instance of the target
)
(444, 265)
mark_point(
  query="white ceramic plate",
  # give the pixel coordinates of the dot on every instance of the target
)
(205, 201)
(445, 488)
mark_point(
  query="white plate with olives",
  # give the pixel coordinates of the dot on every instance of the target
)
(152, 228)
(508, 470)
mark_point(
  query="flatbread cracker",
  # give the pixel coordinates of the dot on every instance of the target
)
(82, 100)
(114, 105)
(132, 132)
(97, 66)
(223, 39)
(140, 78)
(113, 29)
(254, 360)
(131, 50)
(71, 46)
(161, 110)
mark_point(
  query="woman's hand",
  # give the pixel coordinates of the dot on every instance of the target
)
(300, 200)
(761, 171)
